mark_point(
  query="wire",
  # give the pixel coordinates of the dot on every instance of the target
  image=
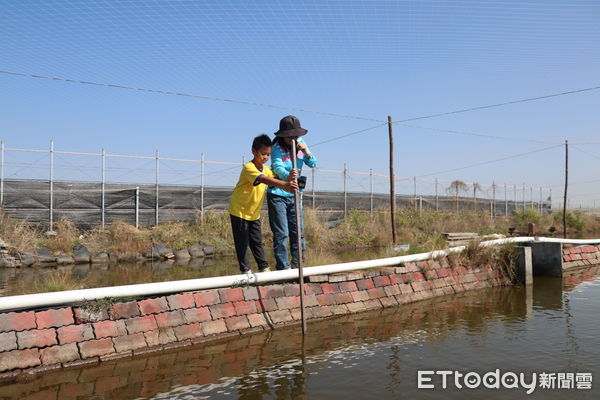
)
(197, 96)
(585, 152)
(489, 162)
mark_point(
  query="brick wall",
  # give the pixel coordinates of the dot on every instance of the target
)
(580, 257)
(40, 340)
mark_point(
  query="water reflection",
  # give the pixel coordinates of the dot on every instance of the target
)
(367, 355)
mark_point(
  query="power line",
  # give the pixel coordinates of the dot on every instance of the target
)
(490, 161)
(197, 96)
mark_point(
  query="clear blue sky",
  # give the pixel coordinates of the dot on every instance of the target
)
(363, 58)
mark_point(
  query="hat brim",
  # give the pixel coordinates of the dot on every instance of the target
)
(291, 132)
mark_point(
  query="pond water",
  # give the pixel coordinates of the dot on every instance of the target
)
(552, 327)
(15, 281)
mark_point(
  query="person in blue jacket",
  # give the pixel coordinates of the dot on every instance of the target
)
(281, 204)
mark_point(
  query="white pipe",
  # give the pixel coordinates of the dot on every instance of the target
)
(148, 289)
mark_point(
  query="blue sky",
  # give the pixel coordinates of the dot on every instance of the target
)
(362, 58)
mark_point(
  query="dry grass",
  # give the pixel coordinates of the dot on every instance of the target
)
(67, 236)
(18, 235)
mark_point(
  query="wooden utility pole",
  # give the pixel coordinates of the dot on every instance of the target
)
(392, 190)
(299, 241)
(566, 185)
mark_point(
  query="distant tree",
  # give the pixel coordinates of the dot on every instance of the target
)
(455, 189)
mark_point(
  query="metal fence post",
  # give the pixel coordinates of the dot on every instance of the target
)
(550, 200)
(1, 172)
(345, 195)
(51, 207)
(505, 201)
(493, 198)
(371, 191)
(103, 189)
(437, 205)
(515, 196)
(524, 199)
(531, 196)
(156, 205)
(313, 187)
(202, 186)
(420, 205)
(137, 206)
(540, 203)
(415, 191)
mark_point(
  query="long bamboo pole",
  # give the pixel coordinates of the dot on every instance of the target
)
(299, 239)
(392, 189)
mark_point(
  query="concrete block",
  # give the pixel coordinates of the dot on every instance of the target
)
(547, 259)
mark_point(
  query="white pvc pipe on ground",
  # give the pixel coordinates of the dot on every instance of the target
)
(39, 300)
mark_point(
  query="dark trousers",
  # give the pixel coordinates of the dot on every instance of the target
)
(248, 233)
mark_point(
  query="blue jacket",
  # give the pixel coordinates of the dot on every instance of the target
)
(281, 165)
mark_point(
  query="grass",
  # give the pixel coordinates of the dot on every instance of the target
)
(423, 231)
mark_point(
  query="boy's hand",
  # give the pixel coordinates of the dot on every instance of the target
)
(291, 186)
(293, 175)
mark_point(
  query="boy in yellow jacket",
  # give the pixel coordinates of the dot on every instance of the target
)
(246, 202)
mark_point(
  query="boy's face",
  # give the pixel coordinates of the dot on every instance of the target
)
(261, 156)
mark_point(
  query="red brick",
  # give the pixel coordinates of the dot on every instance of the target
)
(197, 314)
(19, 359)
(250, 293)
(343, 298)
(264, 305)
(170, 319)
(244, 307)
(360, 295)
(372, 304)
(207, 298)
(231, 294)
(339, 309)
(381, 281)
(129, 342)
(431, 274)
(140, 324)
(292, 290)
(84, 315)
(222, 310)
(267, 292)
(178, 301)
(348, 286)
(237, 323)
(365, 284)
(190, 331)
(36, 338)
(417, 286)
(325, 299)
(17, 321)
(54, 318)
(319, 312)
(376, 293)
(280, 316)
(388, 301)
(98, 347)
(8, 341)
(285, 303)
(104, 329)
(127, 309)
(214, 327)
(75, 333)
(356, 307)
(407, 277)
(60, 354)
(417, 276)
(153, 306)
(330, 288)
(405, 288)
(256, 320)
(391, 290)
(443, 273)
(394, 279)
(160, 336)
(310, 301)
(312, 289)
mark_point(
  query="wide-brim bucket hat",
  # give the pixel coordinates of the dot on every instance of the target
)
(290, 126)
